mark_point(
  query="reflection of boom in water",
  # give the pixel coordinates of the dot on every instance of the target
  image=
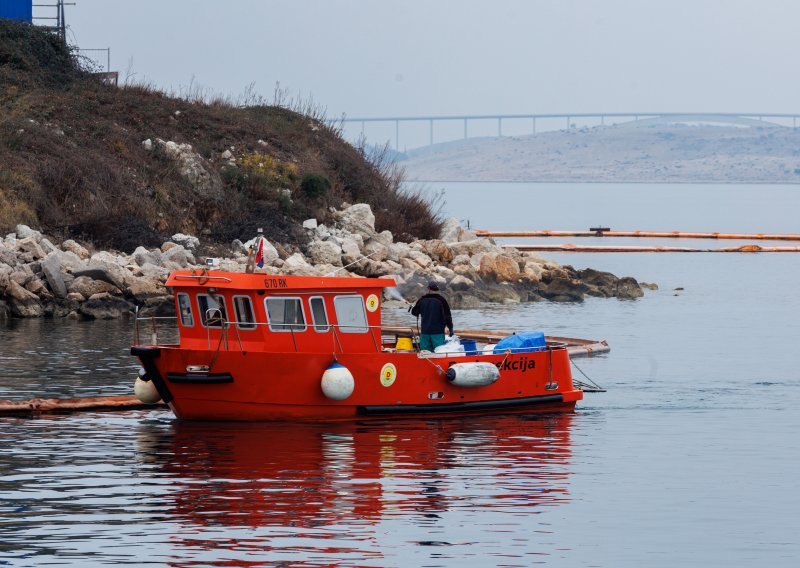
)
(266, 474)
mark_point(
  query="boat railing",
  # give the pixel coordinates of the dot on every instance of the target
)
(225, 327)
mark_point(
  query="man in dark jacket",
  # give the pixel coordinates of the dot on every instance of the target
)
(435, 313)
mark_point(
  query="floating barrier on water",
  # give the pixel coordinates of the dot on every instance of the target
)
(604, 232)
(568, 247)
(58, 405)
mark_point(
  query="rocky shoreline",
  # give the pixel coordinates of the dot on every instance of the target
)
(41, 279)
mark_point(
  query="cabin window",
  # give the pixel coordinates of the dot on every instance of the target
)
(245, 317)
(185, 310)
(212, 310)
(350, 314)
(285, 314)
(318, 314)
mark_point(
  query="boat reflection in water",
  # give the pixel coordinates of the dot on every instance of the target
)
(349, 476)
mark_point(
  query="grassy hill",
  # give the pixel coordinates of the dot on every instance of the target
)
(73, 162)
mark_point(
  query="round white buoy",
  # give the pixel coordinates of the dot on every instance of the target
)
(146, 391)
(337, 382)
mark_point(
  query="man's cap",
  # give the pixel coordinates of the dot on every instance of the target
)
(433, 286)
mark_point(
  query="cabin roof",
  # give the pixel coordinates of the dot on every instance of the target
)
(222, 280)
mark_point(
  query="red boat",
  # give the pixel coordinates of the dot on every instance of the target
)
(262, 347)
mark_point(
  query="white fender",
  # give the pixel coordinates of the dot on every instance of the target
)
(146, 391)
(337, 382)
(476, 374)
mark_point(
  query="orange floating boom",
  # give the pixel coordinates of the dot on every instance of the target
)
(620, 248)
(647, 234)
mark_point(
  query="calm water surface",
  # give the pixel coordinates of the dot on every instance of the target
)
(690, 459)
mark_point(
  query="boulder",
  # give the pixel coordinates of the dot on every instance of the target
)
(22, 276)
(143, 256)
(73, 247)
(398, 251)
(628, 288)
(105, 306)
(30, 246)
(472, 247)
(325, 252)
(351, 252)
(85, 287)
(451, 229)
(23, 303)
(52, 270)
(7, 257)
(36, 286)
(437, 250)
(47, 246)
(105, 271)
(460, 259)
(561, 289)
(310, 224)
(419, 258)
(532, 272)
(376, 250)
(296, 264)
(25, 232)
(358, 218)
(384, 237)
(506, 269)
(159, 306)
(144, 289)
(186, 241)
(177, 258)
(460, 283)
(155, 271)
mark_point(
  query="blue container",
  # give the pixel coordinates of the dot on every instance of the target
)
(470, 346)
(523, 342)
(21, 10)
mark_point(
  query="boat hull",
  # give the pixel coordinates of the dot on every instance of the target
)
(257, 386)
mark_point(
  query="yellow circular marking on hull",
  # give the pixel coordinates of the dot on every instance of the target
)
(388, 374)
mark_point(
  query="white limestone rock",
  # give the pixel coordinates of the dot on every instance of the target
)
(25, 232)
(188, 242)
(325, 252)
(358, 218)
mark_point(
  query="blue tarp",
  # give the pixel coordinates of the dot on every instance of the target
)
(523, 342)
(16, 10)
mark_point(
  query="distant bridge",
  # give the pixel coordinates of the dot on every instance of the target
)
(763, 119)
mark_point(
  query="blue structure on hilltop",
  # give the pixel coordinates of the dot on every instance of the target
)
(21, 10)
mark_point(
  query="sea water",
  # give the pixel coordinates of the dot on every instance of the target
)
(690, 459)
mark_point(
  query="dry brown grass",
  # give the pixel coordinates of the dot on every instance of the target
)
(72, 161)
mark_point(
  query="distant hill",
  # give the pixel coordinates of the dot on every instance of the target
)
(128, 166)
(648, 153)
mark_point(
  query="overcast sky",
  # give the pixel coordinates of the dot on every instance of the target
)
(421, 57)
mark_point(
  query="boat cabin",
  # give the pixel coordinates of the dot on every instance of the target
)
(260, 312)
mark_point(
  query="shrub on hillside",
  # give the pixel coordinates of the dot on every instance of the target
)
(315, 185)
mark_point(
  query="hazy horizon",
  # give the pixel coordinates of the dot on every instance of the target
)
(387, 59)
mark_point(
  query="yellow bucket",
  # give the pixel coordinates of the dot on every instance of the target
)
(404, 344)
